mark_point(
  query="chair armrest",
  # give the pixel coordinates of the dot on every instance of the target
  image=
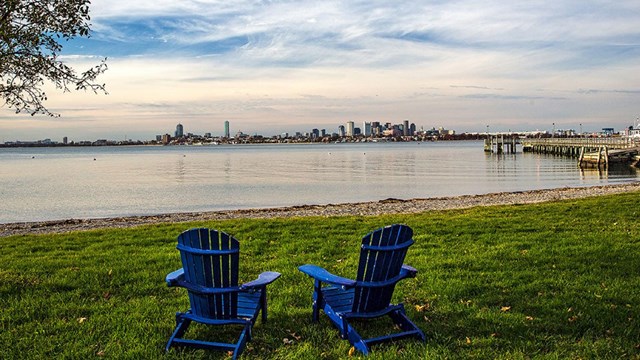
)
(263, 279)
(175, 277)
(323, 275)
(408, 271)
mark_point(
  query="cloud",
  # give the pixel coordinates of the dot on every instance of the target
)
(600, 91)
(316, 63)
(511, 97)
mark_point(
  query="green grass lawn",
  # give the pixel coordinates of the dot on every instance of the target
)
(555, 281)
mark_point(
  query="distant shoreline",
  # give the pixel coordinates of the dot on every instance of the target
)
(382, 207)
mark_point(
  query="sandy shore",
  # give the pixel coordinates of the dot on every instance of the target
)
(389, 206)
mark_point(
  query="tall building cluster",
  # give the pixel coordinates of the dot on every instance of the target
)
(375, 128)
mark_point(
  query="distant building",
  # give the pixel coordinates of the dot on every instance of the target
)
(341, 131)
(166, 138)
(405, 128)
(65, 140)
(366, 126)
(350, 128)
(633, 131)
(226, 129)
(392, 132)
(315, 133)
(179, 131)
(375, 128)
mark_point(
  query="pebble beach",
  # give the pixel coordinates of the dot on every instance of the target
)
(387, 206)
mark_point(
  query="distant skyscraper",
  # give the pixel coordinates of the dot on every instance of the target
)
(405, 128)
(350, 128)
(179, 131)
(375, 128)
(226, 129)
(65, 140)
(366, 127)
(341, 131)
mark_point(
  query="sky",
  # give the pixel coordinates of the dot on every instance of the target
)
(270, 67)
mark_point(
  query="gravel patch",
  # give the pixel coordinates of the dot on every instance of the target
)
(388, 206)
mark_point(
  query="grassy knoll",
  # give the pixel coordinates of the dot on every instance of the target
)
(554, 281)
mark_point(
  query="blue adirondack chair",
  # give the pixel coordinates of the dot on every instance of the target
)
(210, 274)
(369, 296)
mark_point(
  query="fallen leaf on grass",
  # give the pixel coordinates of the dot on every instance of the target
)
(573, 319)
(82, 319)
(421, 308)
(468, 341)
(100, 353)
(505, 308)
(352, 351)
(530, 318)
(287, 341)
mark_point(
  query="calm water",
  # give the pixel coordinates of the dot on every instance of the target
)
(61, 183)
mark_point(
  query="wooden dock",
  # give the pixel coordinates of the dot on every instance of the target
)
(501, 144)
(589, 151)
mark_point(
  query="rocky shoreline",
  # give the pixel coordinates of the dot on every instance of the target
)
(388, 206)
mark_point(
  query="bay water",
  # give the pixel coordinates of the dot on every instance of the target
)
(38, 184)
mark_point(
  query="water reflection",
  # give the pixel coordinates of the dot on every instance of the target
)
(150, 180)
(612, 172)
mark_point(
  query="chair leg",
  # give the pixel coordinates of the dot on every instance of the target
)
(317, 300)
(181, 327)
(242, 341)
(263, 303)
(356, 340)
(400, 318)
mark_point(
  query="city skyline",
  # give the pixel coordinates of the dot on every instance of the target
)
(279, 66)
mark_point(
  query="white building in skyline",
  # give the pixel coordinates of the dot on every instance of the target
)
(350, 128)
(366, 128)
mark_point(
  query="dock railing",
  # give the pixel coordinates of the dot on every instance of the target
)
(596, 151)
(595, 143)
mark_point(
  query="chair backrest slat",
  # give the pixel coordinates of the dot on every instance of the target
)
(211, 269)
(381, 258)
